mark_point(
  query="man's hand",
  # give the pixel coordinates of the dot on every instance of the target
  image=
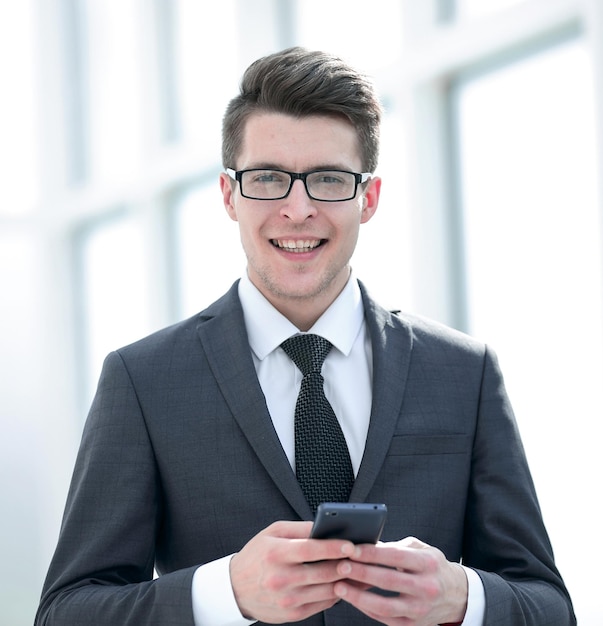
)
(430, 589)
(282, 576)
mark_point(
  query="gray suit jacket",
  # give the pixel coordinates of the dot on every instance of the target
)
(180, 465)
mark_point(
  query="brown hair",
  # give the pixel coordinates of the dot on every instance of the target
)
(301, 83)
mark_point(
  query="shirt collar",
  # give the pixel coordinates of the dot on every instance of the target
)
(267, 328)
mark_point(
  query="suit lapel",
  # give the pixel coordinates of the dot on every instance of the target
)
(224, 339)
(391, 343)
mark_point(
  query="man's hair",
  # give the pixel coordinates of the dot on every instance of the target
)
(301, 83)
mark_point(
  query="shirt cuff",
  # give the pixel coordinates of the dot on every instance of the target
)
(213, 598)
(476, 600)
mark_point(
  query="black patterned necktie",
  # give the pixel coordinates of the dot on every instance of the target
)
(322, 460)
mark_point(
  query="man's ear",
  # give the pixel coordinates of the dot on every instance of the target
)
(227, 189)
(370, 199)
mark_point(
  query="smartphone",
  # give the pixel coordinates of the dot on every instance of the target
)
(358, 522)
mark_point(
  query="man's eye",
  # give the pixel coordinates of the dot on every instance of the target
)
(268, 177)
(329, 179)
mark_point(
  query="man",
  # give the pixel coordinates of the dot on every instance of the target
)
(188, 460)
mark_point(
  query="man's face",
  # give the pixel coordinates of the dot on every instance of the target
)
(298, 249)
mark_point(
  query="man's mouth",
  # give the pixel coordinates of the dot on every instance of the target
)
(297, 245)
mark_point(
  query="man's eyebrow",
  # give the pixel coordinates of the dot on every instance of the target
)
(319, 167)
(262, 166)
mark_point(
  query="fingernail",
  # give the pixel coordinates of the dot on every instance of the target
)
(340, 590)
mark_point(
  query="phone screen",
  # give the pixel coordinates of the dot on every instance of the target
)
(359, 522)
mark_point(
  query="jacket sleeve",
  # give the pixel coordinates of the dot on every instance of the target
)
(102, 571)
(505, 539)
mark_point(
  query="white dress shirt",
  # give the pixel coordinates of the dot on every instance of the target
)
(347, 371)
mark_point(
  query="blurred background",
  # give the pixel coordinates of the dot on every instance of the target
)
(112, 225)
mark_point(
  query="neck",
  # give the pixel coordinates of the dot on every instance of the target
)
(301, 316)
(304, 309)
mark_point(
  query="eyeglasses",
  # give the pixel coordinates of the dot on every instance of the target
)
(322, 185)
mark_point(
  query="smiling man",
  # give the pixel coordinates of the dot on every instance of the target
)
(298, 248)
(210, 444)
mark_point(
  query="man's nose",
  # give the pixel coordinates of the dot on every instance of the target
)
(298, 205)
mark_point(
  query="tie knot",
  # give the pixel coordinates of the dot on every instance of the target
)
(308, 352)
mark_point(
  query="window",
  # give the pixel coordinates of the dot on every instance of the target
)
(115, 290)
(529, 192)
(532, 235)
(206, 70)
(339, 26)
(475, 8)
(209, 254)
(18, 147)
(117, 75)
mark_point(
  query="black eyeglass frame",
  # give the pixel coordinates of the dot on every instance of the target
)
(358, 178)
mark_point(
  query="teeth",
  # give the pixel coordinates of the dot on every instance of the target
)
(299, 245)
